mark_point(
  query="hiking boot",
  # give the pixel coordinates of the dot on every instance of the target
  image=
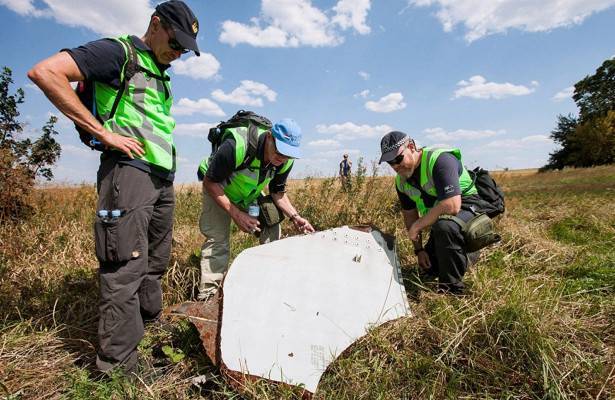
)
(473, 257)
(451, 288)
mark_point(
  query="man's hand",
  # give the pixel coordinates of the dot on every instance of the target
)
(414, 231)
(423, 259)
(245, 222)
(303, 225)
(124, 144)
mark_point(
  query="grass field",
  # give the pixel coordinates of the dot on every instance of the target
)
(538, 321)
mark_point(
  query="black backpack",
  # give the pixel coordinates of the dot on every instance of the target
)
(489, 191)
(243, 118)
(86, 93)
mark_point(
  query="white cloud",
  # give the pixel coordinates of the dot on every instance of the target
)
(294, 23)
(351, 131)
(72, 152)
(363, 94)
(479, 88)
(197, 130)
(204, 67)
(127, 16)
(364, 75)
(338, 153)
(444, 136)
(564, 94)
(352, 14)
(482, 17)
(186, 106)
(32, 85)
(328, 143)
(389, 103)
(249, 93)
(528, 141)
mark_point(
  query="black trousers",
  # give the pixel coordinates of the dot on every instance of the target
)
(134, 254)
(445, 248)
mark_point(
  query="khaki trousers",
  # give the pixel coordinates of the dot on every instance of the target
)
(215, 225)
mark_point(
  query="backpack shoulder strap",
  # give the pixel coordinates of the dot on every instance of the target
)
(129, 69)
(252, 147)
(462, 224)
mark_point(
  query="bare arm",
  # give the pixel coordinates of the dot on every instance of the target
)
(450, 206)
(410, 217)
(53, 77)
(244, 221)
(283, 202)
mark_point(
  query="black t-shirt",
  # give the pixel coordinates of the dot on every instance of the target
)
(446, 172)
(102, 61)
(222, 165)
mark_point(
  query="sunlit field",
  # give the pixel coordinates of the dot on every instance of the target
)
(537, 321)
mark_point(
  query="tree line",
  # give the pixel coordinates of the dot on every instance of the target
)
(588, 139)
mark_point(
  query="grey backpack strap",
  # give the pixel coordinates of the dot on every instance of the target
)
(251, 147)
(462, 224)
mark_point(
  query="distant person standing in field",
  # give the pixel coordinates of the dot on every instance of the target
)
(345, 172)
(431, 184)
(134, 223)
(232, 189)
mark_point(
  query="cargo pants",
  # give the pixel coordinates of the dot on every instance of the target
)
(447, 256)
(215, 225)
(133, 251)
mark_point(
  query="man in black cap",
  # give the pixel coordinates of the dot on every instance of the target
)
(431, 183)
(130, 122)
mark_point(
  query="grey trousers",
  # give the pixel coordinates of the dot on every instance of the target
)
(133, 252)
(215, 225)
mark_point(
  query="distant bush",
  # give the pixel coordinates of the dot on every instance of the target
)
(21, 160)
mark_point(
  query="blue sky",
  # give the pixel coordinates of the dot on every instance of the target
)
(487, 77)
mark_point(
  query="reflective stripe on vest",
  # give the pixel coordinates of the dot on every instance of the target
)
(242, 186)
(143, 112)
(428, 160)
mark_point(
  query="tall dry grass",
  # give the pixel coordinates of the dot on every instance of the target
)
(537, 321)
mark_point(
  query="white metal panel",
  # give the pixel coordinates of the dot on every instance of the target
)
(291, 306)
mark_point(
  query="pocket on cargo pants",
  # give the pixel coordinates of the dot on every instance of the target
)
(123, 238)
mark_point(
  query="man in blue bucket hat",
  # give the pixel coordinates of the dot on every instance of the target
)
(233, 187)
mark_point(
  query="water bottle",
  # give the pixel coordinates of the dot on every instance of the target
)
(253, 210)
(103, 213)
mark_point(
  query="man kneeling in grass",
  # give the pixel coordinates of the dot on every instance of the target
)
(431, 183)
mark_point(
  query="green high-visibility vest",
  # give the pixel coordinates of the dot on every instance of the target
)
(245, 185)
(428, 160)
(144, 110)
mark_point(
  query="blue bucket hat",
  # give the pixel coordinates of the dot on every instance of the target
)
(287, 136)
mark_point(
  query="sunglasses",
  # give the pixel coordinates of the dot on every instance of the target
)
(397, 159)
(173, 43)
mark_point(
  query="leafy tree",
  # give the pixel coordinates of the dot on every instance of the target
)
(589, 139)
(21, 160)
(595, 94)
(562, 135)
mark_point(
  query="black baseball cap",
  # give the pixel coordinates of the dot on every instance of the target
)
(182, 21)
(390, 144)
